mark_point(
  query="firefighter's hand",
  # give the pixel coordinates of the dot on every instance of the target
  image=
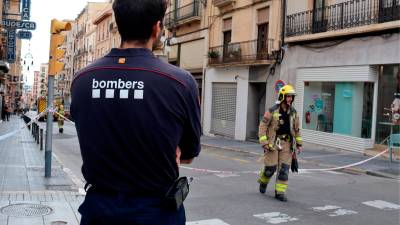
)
(299, 149)
(178, 158)
(186, 161)
(178, 155)
(265, 148)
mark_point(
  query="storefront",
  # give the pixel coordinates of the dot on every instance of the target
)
(336, 105)
(347, 107)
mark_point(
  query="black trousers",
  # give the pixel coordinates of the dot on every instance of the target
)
(103, 209)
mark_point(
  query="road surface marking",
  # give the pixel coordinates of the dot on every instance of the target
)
(382, 205)
(342, 212)
(275, 217)
(223, 175)
(338, 211)
(207, 222)
(333, 172)
(325, 208)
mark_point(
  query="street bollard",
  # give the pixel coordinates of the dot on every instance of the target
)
(41, 139)
(37, 135)
(36, 131)
(33, 130)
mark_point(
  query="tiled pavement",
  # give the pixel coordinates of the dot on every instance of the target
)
(26, 196)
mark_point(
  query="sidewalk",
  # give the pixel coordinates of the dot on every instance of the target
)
(26, 196)
(322, 156)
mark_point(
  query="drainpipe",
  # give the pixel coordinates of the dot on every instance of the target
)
(283, 22)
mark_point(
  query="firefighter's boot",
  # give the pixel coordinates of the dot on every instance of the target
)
(281, 197)
(60, 130)
(263, 188)
(263, 180)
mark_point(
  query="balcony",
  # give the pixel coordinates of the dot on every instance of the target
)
(185, 14)
(222, 3)
(345, 18)
(242, 53)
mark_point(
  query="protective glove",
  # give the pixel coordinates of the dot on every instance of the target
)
(294, 166)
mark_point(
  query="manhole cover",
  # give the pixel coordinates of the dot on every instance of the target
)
(26, 210)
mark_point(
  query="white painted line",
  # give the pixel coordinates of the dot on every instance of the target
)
(325, 208)
(333, 172)
(382, 205)
(207, 222)
(342, 212)
(223, 175)
(275, 217)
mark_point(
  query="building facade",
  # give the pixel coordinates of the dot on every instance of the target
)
(104, 27)
(344, 58)
(11, 81)
(244, 40)
(42, 84)
(35, 88)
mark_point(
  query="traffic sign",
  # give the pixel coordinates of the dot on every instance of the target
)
(278, 85)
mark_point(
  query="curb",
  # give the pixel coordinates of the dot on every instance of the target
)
(350, 170)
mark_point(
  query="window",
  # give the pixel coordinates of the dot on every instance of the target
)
(339, 107)
(389, 87)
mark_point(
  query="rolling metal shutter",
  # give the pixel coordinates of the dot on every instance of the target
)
(223, 112)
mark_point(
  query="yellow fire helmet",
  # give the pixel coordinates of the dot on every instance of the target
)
(286, 90)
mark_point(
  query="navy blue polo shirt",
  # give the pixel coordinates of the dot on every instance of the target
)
(131, 111)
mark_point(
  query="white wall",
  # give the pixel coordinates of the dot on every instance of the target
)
(228, 75)
(374, 50)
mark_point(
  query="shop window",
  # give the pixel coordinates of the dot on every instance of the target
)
(389, 89)
(338, 107)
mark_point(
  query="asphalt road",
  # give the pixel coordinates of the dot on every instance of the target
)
(232, 198)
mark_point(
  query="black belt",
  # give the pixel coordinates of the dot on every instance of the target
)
(113, 192)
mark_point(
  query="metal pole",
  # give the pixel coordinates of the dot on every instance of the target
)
(49, 127)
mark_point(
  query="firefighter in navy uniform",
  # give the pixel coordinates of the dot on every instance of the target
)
(279, 135)
(137, 117)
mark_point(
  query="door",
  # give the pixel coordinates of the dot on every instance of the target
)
(262, 41)
(223, 109)
(227, 42)
(319, 21)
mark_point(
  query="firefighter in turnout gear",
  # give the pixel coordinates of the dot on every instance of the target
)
(279, 135)
(60, 120)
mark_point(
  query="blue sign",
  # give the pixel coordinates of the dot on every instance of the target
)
(26, 9)
(11, 46)
(17, 24)
(23, 34)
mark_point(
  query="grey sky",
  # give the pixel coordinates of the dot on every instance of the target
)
(42, 12)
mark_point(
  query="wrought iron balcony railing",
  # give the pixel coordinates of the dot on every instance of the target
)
(241, 52)
(175, 17)
(343, 15)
